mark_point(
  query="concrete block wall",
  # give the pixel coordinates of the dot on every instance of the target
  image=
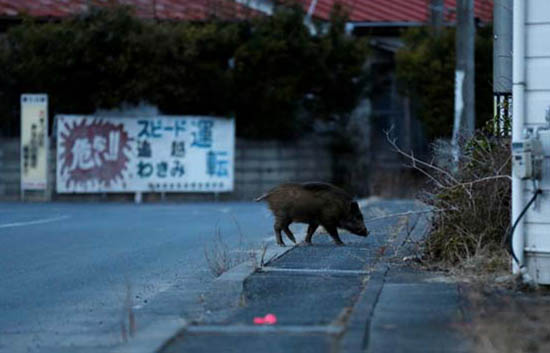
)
(10, 182)
(259, 166)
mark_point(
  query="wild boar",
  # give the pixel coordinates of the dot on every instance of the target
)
(315, 204)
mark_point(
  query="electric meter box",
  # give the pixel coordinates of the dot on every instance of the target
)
(537, 219)
(527, 157)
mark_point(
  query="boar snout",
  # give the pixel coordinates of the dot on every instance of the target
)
(357, 228)
(362, 231)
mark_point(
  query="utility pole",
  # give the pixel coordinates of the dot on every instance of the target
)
(464, 118)
(502, 66)
(437, 9)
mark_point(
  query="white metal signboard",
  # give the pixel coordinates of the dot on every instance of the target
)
(164, 153)
(34, 141)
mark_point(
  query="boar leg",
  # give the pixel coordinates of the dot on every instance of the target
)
(289, 234)
(278, 236)
(310, 230)
(333, 232)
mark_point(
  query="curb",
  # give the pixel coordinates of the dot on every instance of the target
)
(356, 334)
(154, 337)
(226, 291)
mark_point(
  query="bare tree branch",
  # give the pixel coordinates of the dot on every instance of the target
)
(408, 213)
(414, 160)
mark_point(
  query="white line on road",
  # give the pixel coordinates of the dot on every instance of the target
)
(30, 223)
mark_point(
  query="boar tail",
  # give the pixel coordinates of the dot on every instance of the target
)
(258, 199)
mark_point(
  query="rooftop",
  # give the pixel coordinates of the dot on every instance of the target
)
(373, 11)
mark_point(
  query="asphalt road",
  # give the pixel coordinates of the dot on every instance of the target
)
(69, 272)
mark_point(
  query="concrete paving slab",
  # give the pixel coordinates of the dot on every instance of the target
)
(416, 317)
(356, 336)
(324, 255)
(264, 342)
(297, 299)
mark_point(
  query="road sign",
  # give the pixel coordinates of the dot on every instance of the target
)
(144, 154)
(34, 142)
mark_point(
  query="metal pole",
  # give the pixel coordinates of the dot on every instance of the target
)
(502, 49)
(502, 64)
(518, 119)
(464, 123)
(21, 152)
(437, 8)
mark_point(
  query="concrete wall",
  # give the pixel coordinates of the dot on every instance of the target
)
(9, 169)
(259, 166)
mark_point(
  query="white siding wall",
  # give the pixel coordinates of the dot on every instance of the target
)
(537, 60)
(537, 100)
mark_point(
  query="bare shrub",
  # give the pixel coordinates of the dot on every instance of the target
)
(220, 258)
(471, 204)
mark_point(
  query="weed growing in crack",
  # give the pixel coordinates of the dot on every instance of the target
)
(220, 258)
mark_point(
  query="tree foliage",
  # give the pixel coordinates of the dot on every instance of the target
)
(266, 72)
(426, 70)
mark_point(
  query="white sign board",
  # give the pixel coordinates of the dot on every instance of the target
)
(164, 153)
(34, 141)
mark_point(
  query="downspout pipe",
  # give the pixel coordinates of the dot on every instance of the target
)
(518, 121)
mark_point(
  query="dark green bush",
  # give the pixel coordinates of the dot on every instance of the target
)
(263, 72)
(426, 70)
(108, 57)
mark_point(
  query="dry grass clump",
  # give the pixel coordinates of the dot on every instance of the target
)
(471, 203)
(220, 258)
(509, 323)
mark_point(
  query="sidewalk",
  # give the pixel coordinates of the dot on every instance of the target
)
(355, 298)
(416, 312)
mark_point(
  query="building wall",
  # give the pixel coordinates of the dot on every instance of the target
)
(259, 166)
(537, 100)
(537, 60)
(10, 169)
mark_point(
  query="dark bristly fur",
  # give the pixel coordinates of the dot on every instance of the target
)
(315, 204)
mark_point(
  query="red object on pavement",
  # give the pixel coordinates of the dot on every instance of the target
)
(269, 319)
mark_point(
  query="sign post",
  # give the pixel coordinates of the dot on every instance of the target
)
(34, 142)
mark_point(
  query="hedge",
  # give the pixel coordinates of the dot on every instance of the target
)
(270, 73)
(426, 71)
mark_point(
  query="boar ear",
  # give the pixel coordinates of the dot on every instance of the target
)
(355, 207)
